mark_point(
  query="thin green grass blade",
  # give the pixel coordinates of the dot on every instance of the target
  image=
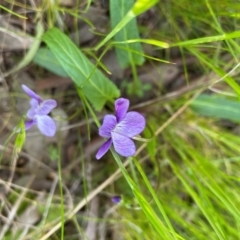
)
(147, 41)
(120, 25)
(118, 9)
(219, 192)
(207, 61)
(211, 183)
(146, 207)
(226, 36)
(137, 53)
(157, 201)
(11, 12)
(205, 173)
(197, 200)
(210, 209)
(97, 88)
(217, 107)
(197, 196)
(207, 183)
(197, 41)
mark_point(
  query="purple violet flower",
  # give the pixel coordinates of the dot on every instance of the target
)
(120, 129)
(38, 113)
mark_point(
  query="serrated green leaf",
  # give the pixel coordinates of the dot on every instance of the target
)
(125, 54)
(95, 86)
(46, 59)
(217, 107)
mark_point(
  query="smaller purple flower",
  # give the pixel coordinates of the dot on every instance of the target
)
(116, 199)
(38, 113)
(120, 129)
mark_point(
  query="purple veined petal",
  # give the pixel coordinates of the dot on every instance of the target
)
(123, 145)
(131, 125)
(32, 111)
(31, 93)
(46, 107)
(29, 123)
(104, 148)
(109, 123)
(33, 103)
(121, 107)
(46, 125)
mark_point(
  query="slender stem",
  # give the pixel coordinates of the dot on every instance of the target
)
(61, 195)
(134, 175)
(91, 110)
(81, 95)
(135, 77)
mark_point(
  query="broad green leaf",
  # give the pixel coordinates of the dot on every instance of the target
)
(46, 59)
(217, 107)
(139, 7)
(95, 86)
(125, 54)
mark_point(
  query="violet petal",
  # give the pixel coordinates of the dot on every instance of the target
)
(31, 93)
(33, 103)
(131, 125)
(31, 113)
(123, 145)
(29, 123)
(46, 125)
(121, 107)
(104, 148)
(109, 123)
(46, 107)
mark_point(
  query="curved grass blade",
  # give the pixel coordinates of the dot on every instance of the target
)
(12, 12)
(139, 7)
(225, 36)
